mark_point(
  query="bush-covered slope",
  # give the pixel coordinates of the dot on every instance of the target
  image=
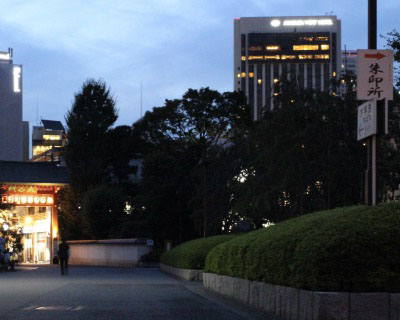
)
(192, 254)
(354, 249)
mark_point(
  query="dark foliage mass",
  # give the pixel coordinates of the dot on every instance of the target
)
(199, 166)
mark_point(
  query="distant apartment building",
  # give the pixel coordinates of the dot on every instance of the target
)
(349, 61)
(11, 124)
(349, 68)
(48, 141)
(266, 49)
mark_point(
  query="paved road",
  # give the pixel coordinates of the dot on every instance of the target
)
(110, 293)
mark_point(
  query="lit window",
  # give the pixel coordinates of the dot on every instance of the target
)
(277, 57)
(276, 80)
(255, 57)
(243, 74)
(273, 48)
(321, 56)
(243, 58)
(251, 74)
(324, 46)
(238, 75)
(255, 48)
(307, 38)
(322, 38)
(275, 94)
(305, 56)
(284, 57)
(259, 81)
(334, 73)
(51, 137)
(305, 47)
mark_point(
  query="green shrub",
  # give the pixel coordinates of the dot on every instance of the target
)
(191, 254)
(355, 249)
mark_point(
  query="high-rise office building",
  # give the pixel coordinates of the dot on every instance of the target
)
(11, 127)
(303, 49)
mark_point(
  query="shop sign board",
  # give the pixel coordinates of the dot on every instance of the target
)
(375, 74)
(366, 120)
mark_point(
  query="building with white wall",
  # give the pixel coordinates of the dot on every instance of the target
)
(11, 126)
(303, 49)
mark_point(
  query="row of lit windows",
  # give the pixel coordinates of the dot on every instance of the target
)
(251, 75)
(51, 137)
(40, 149)
(310, 47)
(296, 47)
(268, 48)
(320, 38)
(287, 57)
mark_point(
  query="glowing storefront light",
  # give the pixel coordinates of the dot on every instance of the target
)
(37, 200)
(17, 77)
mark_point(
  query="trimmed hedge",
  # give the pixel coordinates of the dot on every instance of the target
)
(192, 254)
(352, 249)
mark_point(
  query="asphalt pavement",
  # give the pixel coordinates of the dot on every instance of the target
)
(110, 293)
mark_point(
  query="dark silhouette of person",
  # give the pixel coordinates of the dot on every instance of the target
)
(63, 255)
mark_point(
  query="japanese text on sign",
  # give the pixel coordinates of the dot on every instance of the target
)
(366, 120)
(375, 74)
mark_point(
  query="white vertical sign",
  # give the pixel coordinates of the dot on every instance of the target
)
(375, 74)
(366, 120)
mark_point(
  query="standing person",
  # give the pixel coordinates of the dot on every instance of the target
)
(63, 255)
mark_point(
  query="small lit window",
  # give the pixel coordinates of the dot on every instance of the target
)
(277, 57)
(305, 56)
(243, 74)
(324, 46)
(284, 57)
(255, 48)
(238, 75)
(259, 81)
(307, 38)
(334, 73)
(321, 56)
(322, 38)
(273, 48)
(275, 94)
(276, 80)
(305, 47)
(243, 58)
(251, 74)
(255, 57)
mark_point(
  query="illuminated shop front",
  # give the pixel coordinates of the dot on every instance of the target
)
(33, 209)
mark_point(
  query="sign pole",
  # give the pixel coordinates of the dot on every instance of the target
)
(371, 168)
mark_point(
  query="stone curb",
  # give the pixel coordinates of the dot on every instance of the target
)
(185, 274)
(295, 304)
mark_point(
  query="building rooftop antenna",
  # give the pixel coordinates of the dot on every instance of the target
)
(37, 110)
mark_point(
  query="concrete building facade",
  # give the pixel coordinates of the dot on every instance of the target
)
(266, 49)
(11, 127)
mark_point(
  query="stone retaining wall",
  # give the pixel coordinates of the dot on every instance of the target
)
(185, 274)
(295, 304)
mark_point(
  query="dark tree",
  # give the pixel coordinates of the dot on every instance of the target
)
(89, 121)
(180, 143)
(102, 211)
